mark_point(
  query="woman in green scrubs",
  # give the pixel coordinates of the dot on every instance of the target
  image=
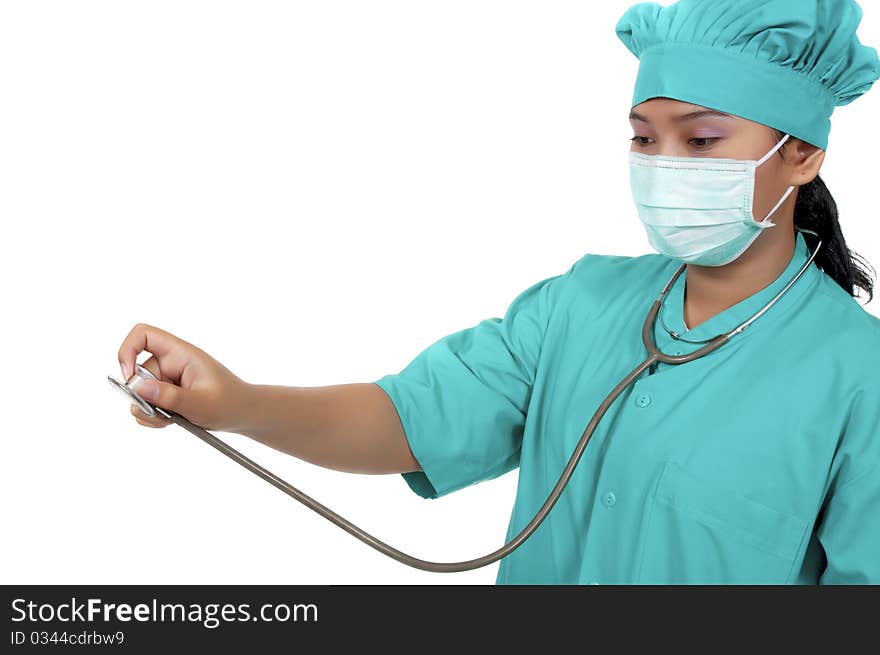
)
(759, 463)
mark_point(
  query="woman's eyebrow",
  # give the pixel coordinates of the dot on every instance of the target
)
(702, 113)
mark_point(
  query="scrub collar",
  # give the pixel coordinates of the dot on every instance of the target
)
(673, 305)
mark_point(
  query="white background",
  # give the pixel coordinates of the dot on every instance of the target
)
(312, 192)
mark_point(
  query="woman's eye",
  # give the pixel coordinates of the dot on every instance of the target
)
(700, 143)
(704, 141)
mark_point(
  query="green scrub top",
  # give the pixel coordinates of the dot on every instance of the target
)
(757, 464)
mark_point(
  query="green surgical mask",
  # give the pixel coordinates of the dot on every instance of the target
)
(699, 209)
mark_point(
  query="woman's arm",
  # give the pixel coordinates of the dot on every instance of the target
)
(347, 427)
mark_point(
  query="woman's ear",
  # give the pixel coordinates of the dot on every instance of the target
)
(804, 161)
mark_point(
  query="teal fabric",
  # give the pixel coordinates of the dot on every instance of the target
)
(759, 463)
(783, 63)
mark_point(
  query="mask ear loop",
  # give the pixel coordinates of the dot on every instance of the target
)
(781, 200)
(774, 149)
(787, 192)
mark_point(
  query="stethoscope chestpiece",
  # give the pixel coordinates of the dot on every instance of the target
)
(128, 388)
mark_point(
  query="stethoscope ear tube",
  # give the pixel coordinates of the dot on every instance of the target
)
(657, 355)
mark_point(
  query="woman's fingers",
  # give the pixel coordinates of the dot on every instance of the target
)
(149, 421)
(152, 365)
(189, 381)
(169, 349)
(158, 421)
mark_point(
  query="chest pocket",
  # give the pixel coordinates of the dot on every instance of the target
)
(696, 532)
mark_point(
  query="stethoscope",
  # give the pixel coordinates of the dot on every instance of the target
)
(654, 355)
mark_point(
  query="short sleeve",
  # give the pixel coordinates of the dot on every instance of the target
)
(849, 525)
(462, 401)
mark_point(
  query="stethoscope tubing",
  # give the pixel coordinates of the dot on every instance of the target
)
(506, 549)
(654, 355)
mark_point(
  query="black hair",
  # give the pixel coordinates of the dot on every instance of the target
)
(816, 210)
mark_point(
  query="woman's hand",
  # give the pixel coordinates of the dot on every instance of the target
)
(192, 383)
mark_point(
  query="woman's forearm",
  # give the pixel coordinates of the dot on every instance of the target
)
(347, 427)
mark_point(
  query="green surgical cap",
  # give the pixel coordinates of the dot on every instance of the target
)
(782, 63)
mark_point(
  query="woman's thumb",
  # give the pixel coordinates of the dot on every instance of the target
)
(162, 394)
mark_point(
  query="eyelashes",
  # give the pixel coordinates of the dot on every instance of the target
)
(705, 141)
(709, 139)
